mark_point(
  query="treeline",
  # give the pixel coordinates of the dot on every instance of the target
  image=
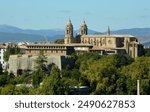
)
(104, 75)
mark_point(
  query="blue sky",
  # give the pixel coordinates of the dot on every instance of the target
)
(98, 14)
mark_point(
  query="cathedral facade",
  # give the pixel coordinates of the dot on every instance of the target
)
(102, 43)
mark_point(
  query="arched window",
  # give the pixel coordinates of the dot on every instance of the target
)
(91, 41)
(67, 31)
(97, 42)
(104, 41)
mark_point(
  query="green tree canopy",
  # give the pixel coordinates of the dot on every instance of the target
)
(11, 50)
(103, 74)
(147, 51)
(138, 70)
(8, 90)
(59, 41)
(39, 73)
(84, 57)
(51, 84)
(21, 90)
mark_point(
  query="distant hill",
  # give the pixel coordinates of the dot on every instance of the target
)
(134, 31)
(18, 37)
(143, 34)
(15, 30)
(14, 34)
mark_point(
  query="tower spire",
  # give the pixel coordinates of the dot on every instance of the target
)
(83, 28)
(69, 32)
(108, 31)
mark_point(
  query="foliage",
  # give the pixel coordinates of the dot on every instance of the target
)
(147, 51)
(6, 78)
(59, 41)
(40, 61)
(72, 79)
(38, 73)
(1, 69)
(107, 74)
(51, 84)
(103, 74)
(8, 90)
(85, 56)
(3, 80)
(138, 70)
(35, 91)
(11, 50)
(37, 77)
(21, 90)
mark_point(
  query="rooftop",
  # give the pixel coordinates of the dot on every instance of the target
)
(112, 35)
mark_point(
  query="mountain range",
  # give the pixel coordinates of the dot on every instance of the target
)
(15, 34)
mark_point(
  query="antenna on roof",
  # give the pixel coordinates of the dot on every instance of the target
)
(45, 37)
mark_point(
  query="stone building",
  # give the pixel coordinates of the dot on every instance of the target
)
(49, 49)
(18, 63)
(2, 61)
(102, 44)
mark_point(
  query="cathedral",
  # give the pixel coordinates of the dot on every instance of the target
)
(59, 54)
(84, 42)
(102, 43)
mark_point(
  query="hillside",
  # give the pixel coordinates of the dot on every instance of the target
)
(19, 37)
(14, 34)
(143, 34)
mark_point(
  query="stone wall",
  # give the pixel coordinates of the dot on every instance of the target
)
(27, 62)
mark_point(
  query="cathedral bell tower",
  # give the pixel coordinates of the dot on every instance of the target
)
(69, 33)
(83, 29)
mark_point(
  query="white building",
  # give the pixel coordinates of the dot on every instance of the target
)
(2, 62)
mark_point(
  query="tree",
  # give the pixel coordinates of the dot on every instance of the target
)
(39, 73)
(1, 69)
(11, 50)
(35, 91)
(21, 90)
(52, 84)
(147, 51)
(122, 60)
(8, 90)
(104, 75)
(3, 80)
(40, 61)
(84, 57)
(37, 77)
(59, 41)
(138, 70)
(72, 79)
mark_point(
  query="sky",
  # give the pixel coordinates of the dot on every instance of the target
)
(53, 14)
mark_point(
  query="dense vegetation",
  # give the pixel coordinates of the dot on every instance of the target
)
(107, 74)
(59, 41)
(11, 50)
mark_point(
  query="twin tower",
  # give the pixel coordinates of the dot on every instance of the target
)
(69, 32)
